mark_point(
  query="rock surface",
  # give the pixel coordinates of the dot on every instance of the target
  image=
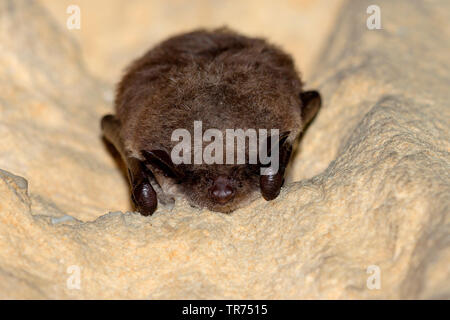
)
(115, 31)
(372, 178)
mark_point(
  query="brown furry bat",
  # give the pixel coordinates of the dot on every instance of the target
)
(223, 79)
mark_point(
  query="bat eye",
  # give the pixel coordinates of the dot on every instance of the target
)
(161, 159)
(222, 190)
(268, 142)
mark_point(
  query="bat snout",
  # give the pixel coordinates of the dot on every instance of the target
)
(222, 190)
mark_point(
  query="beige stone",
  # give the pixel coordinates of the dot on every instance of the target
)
(369, 184)
(115, 31)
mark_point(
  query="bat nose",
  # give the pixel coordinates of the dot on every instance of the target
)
(222, 191)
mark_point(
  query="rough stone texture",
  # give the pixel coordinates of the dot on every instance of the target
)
(115, 31)
(372, 176)
(49, 117)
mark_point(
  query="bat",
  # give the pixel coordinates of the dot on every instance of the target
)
(223, 80)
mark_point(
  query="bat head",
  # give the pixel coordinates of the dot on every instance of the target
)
(222, 187)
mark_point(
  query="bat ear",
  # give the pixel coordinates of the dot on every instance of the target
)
(271, 184)
(162, 159)
(311, 102)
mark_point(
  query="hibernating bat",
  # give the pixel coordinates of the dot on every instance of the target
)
(226, 81)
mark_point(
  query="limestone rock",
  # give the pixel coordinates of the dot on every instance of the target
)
(115, 31)
(49, 117)
(371, 186)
